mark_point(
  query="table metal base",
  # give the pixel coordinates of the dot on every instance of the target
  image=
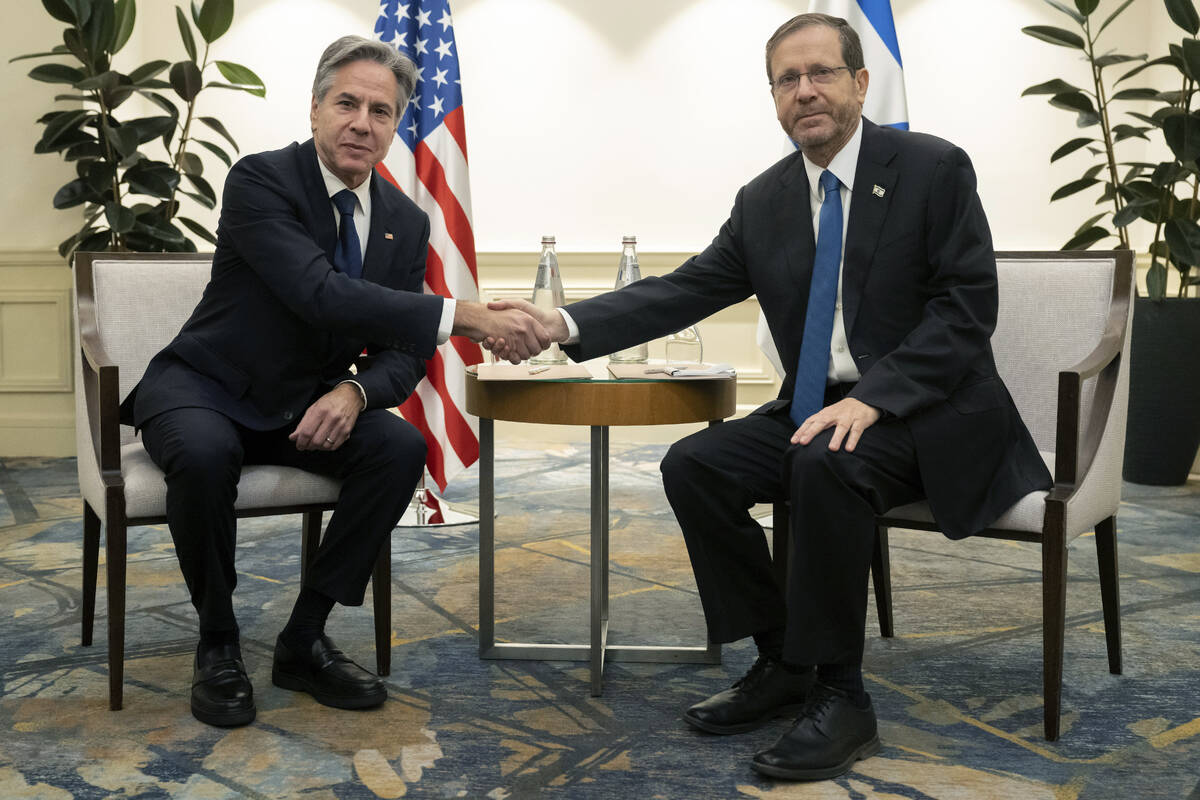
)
(598, 650)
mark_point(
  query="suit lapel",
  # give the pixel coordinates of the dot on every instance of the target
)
(792, 223)
(380, 242)
(872, 194)
(324, 229)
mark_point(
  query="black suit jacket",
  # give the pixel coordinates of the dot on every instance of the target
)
(278, 325)
(919, 305)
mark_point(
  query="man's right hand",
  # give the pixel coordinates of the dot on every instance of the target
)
(550, 319)
(509, 332)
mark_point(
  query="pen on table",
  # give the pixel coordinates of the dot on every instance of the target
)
(536, 370)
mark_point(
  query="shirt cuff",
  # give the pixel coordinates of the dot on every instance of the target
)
(361, 391)
(572, 328)
(447, 322)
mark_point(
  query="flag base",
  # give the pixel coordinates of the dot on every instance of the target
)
(427, 510)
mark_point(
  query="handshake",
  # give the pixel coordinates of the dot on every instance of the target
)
(512, 329)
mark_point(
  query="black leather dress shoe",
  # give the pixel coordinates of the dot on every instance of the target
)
(830, 734)
(327, 674)
(221, 692)
(767, 691)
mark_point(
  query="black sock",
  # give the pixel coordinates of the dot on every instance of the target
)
(770, 643)
(307, 622)
(215, 638)
(846, 678)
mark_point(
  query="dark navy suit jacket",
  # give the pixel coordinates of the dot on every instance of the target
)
(919, 296)
(278, 324)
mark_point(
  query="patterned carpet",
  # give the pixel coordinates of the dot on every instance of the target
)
(958, 691)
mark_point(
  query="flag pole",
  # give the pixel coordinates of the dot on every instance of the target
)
(429, 510)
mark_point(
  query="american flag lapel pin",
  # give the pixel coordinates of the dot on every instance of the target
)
(389, 236)
(878, 191)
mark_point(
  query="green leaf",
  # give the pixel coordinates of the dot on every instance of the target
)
(185, 33)
(215, 18)
(149, 128)
(186, 80)
(59, 50)
(1122, 132)
(64, 123)
(1183, 237)
(56, 73)
(1135, 94)
(147, 71)
(1073, 101)
(1058, 36)
(1086, 239)
(1152, 63)
(1156, 281)
(1087, 119)
(65, 141)
(124, 140)
(203, 187)
(190, 164)
(1132, 211)
(1091, 221)
(72, 194)
(89, 148)
(120, 219)
(1093, 171)
(1113, 16)
(104, 82)
(1086, 7)
(201, 199)
(153, 178)
(215, 150)
(1117, 58)
(1070, 12)
(1191, 58)
(242, 77)
(1071, 188)
(162, 231)
(1182, 132)
(126, 14)
(198, 229)
(99, 31)
(1056, 86)
(99, 175)
(162, 102)
(74, 12)
(1167, 174)
(1183, 14)
(1069, 147)
(216, 125)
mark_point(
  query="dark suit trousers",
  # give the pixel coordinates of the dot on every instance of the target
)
(202, 452)
(713, 477)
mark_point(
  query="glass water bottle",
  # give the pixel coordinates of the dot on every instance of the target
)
(684, 348)
(548, 295)
(627, 272)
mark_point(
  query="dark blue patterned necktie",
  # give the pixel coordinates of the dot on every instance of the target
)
(347, 257)
(808, 395)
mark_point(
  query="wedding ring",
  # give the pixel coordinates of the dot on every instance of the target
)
(329, 440)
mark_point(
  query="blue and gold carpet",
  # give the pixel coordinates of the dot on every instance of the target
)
(957, 691)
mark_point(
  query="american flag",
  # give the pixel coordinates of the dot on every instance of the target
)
(431, 167)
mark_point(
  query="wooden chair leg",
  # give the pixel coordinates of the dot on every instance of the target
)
(91, 561)
(1054, 617)
(381, 592)
(310, 539)
(780, 522)
(114, 555)
(881, 576)
(1110, 590)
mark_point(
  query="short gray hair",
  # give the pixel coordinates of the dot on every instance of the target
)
(852, 52)
(349, 49)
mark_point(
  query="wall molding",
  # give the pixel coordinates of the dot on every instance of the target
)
(48, 374)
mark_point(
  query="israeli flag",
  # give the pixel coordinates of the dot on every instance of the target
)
(886, 103)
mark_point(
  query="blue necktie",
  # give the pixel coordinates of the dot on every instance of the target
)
(347, 257)
(808, 395)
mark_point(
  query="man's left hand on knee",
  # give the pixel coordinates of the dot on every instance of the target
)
(327, 423)
(848, 417)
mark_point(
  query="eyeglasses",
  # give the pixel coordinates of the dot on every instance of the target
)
(821, 75)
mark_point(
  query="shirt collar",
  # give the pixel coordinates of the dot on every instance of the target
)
(843, 165)
(334, 184)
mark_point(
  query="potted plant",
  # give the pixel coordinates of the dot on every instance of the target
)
(1164, 406)
(131, 198)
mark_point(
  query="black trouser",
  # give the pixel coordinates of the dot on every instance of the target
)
(713, 477)
(202, 452)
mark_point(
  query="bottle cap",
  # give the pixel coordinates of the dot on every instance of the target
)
(628, 239)
(547, 240)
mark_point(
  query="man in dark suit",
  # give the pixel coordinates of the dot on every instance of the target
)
(872, 261)
(317, 258)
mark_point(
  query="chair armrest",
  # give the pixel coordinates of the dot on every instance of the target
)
(1076, 440)
(101, 388)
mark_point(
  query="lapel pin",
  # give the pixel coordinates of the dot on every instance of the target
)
(389, 236)
(878, 191)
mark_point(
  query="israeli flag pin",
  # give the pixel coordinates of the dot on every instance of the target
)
(878, 191)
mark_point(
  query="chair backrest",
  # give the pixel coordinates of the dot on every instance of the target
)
(1053, 310)
(141, 302)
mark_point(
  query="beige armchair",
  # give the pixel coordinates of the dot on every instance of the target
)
(127, 307)
(1062, 347)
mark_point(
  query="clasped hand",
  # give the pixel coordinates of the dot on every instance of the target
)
(504, 328)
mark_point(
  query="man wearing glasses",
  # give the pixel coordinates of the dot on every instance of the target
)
(872, 260)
